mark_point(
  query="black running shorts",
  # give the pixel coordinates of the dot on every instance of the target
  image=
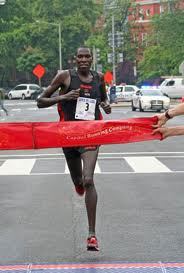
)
(73, 152)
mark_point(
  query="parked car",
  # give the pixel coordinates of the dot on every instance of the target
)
(150, 99)
(36, 93)
(23, 91)
(173, 87)
(125, 92)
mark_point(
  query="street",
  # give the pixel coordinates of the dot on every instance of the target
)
(140, 200)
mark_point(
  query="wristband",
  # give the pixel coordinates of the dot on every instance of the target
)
(167, 115)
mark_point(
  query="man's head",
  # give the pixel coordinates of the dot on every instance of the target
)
(84, 58)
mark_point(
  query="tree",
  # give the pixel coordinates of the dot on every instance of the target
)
(20, 30)
(166, 53)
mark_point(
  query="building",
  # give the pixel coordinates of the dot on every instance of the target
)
(140, 17)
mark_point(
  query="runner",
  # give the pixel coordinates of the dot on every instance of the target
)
(82, 92)
(2, 96)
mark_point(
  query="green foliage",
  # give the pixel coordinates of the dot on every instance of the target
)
(165, 57)
(34, 24)
(29, 59)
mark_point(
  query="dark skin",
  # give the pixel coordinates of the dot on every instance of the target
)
(79, 174)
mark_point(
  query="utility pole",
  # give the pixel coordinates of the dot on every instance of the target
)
(60, 53)
(58, 25)
(113, 51)
(94, 58)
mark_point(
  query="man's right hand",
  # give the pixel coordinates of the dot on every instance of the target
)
(161, 121)
(72, 95)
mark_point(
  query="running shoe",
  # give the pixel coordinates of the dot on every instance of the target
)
(79, 189)
(92, 244)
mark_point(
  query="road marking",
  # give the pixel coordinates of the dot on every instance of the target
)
(105, 154)
(17, 167)
(66, 169)
(33, 108)
(96, 267)
(97, 168)
(138, 164)
(146, 164)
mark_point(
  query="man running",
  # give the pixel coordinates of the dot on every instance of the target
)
(82, 92)
(2, 97)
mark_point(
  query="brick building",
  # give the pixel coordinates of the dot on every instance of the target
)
(140, 16)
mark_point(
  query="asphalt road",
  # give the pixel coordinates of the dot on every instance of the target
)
(140, 207)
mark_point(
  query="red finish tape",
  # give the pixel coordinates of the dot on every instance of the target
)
(40, 135)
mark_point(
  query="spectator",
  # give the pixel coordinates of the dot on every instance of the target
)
(2, 97)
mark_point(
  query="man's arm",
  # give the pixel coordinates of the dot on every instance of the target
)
(61, 80)
(171, 113)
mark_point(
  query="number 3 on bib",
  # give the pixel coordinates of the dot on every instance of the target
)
(85, 108)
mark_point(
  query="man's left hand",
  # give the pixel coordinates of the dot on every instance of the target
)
(106, 107)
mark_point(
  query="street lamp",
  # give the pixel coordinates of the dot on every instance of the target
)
(2, 2)
(59, 39)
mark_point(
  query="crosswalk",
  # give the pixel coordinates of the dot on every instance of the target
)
(105, 165)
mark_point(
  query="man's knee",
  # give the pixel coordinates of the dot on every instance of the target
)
(88, 182)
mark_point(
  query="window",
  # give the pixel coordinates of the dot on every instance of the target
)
(32, 87)
(144, 37)
(129, 89)
(119, 89)
(148, 12)
(170, 83)
(22, 87)
(141, 14)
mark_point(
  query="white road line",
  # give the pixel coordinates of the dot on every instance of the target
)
(146, 164)
(97, 168)
(66, 169)
(119, 154)
(17, 167)
(109, 173)
(33, 108)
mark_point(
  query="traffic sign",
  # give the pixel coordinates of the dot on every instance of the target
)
(108, 77)
(39, 71)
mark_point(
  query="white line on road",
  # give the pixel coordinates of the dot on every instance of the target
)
(146, 164)
(61, 154)
(109, 173)
(17, 167)
(97, 168)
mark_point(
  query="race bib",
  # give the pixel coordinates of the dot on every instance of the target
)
(85, 108)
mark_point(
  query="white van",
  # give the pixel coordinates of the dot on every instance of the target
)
(23, 91)
(173, 87)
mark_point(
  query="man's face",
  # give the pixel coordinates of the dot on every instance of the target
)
(84, 59)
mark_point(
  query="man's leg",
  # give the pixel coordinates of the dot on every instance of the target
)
(89, 161)
(75, 167)
(3, 108)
